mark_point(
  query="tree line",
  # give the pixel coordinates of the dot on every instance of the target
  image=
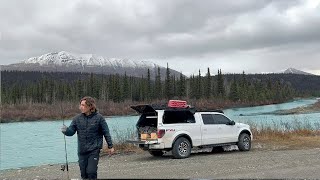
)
(19, 87)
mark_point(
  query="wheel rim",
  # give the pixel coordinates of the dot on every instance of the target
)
(246, 142)
(183, 148)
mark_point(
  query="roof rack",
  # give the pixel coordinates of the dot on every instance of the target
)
(212, 110)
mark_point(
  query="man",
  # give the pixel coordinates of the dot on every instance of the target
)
(90, 127)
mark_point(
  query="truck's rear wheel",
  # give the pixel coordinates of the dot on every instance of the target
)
(181, 148)
(156, 153)
(244, 143)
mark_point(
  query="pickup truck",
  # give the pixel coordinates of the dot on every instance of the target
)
(179, 129)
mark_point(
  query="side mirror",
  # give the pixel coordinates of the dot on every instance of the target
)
(232, 123)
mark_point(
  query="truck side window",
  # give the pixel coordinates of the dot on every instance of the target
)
(207, 118)
(220, 119)
(172, 117)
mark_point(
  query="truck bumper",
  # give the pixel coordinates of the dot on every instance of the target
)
(147, 144)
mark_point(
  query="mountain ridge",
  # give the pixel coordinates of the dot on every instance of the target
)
(296, 71)
(89, 63)
(67, 58)
(64, 61)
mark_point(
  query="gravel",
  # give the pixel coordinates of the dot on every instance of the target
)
(255, 164)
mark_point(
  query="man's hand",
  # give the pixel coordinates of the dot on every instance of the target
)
(64, 129)
(110, 151)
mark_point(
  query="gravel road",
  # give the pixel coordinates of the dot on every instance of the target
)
(254, 164)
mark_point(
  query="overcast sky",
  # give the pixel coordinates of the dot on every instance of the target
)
(246, 35)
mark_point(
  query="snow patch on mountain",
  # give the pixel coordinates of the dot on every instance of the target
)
(64, 58)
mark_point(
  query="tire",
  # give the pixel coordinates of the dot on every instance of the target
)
(156, 153)
(244, 143)
(181, 148)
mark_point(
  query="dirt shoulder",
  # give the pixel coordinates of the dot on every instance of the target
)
(262, 162)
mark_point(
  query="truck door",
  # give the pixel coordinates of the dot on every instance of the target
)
(211, 132)
(227, 132)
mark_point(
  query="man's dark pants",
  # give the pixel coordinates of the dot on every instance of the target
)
(88, 163)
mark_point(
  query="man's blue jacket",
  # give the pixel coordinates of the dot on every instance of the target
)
(90, 130)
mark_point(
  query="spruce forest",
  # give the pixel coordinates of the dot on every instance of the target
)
(33, 95)
(49, 87)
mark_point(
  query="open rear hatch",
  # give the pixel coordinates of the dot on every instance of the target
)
(146, 125)
(144, 109)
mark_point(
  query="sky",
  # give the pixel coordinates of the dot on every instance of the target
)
(254, 36)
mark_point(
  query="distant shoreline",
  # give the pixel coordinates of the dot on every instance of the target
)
(313, 108)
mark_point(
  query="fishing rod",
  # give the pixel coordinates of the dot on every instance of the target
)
(63, 167)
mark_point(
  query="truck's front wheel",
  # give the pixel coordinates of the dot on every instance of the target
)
(244, 143)
(181, 148)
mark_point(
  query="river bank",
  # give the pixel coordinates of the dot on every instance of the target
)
(67, 110)
(312, 108)
(300, 110)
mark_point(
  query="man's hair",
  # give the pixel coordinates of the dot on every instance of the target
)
(90, 102)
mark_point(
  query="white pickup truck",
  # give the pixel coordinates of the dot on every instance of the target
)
(179, 129)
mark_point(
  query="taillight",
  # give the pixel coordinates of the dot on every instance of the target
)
(161, 133)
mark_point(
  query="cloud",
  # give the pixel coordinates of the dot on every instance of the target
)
(254, 36)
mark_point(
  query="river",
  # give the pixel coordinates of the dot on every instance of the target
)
(25, 144)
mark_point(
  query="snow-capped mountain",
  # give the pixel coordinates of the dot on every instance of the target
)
(295, 71)
(70, 62)
(66, 58)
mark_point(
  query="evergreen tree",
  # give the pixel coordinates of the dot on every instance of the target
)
(234, 92)
(220, 85)
(174, 84)
(116, 88)
(80, 92)
(181, 89)
(208, 85)
(168, 84)
(193, 87)
(90, 87)
(158, 89)
(149, 89)
(51, 90)
(244, 87)
(60, 91)
(142, 89)
(126, 90)
(199, 86)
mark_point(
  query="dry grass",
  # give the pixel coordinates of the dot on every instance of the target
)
(61, 110)
(295, 142)
(278, 139)
(120, 144)
(39, 111)
(123, 148)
